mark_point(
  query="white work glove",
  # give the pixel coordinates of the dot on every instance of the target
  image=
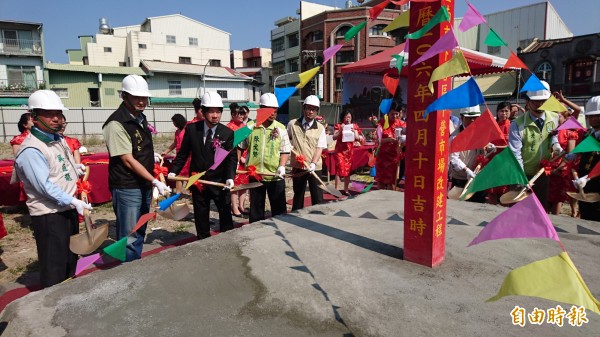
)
(80, 168)
(229, 184)
(281, 171)
(171, 175)
(470, 174)
(556, 149)
(490, 148)
(162, 187)
(157, 157)
(80, 205)
(312, 167)
(580, 182)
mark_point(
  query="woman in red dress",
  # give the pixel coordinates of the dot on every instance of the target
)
(389, 150)
(238, 199)
(345, 133)
(25, 124)
(73, 143)
(180, 123)
(503, 112)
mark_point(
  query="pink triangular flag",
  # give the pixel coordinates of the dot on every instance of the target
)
(472, 18)
(446, 42)
(85, 262)
(220, 155)
(570, 123)
(142, 221)
(358, 186)
(329, 52)
(526, 219)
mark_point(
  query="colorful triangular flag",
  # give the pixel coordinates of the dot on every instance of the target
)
(552, 104)
(329, 52)
(351, 33)
(377, 9)
(85, 262)
(399, 61)
(479, 134)
(391, 83)
(514, 62)
(239, 135)
(466, 95)
(117, 249)
(569, 124)
(283, 94)
(385, 106)
(595, 171)
(220, 155)
(262, 114)
(163, 205)
(588, 144)
(143, 220)
(447, 41)
(456, 66)
(306, 76)
(399, 22)
(368, 188)
(471, 18)
(493, 39)
(533, 84)
(440, 16)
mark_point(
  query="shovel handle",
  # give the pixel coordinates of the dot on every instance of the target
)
(206, 182)
(261, 173)
(87, 173)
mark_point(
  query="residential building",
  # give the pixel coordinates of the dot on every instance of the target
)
(21, 61)
(255, 63)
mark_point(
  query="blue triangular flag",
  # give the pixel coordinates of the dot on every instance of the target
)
(466, 95)
(533, 84)
(283, 94)
(168, 202)
(385, 105)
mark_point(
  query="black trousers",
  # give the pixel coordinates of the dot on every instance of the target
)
(52, 233)
(275, 189)
(540, 188)
(201, 201)
(299, 186)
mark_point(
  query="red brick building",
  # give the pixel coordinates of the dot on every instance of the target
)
(327, 29)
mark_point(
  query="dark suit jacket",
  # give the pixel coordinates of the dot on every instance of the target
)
(203, 157)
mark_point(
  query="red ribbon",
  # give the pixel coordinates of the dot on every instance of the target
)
(301, 160)
(252, 173)
(160, 169)
(548, 166)
(197, 183)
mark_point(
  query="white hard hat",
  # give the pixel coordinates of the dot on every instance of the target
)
(45, 99)
(269, 100)
(539, 95)
(83, 149)
(135, 85)
(592, 107)
(211, 99)
(472, 111)
(312, 100)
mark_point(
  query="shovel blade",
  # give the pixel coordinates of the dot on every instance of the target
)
(247, 186)
(176, 211)
(586, 197)
(455, 193)
(87, 242)
(512, 197)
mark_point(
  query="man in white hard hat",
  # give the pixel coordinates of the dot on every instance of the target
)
(131, 163)
(589, 160)
(308, 141)
(531, 141)
(201, 140)
(268, 150)
(463, 163)
(49, 174)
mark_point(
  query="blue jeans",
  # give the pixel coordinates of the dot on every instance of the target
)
(129, 204)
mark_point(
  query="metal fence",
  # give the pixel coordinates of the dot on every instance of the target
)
(84, 122)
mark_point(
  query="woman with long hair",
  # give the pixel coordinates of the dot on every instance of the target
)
(25, 123)
(345, 133)
(389, 148)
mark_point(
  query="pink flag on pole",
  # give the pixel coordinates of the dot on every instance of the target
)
(446, 42)
(220, 155)
(472, 18)
(329, 52)
(526, 219)
(570, 123)
(85, 262)
(358, 186)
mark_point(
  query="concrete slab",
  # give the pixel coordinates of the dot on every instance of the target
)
(313, 273)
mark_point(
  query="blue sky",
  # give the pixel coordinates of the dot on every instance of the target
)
(249, 22)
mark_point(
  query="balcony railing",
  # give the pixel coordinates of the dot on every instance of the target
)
(20, 47)
(19, 88)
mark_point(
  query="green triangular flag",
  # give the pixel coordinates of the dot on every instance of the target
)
(240, 134)
(368, 188)
(399, 61)
(117, 249)
(503, 169)
(589, 144)
(351, 33)
(439, 17)
(493, 40)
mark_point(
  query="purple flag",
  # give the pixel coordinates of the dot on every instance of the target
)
(446, 42)
(329, 52)
(220, 155)
(85, 262)
(526, 219)
(472, 18)
(357, 186)
(570, 123)
(406, 46)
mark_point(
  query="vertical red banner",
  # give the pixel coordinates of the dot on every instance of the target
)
(426, 174)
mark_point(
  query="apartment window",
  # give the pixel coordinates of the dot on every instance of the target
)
(345, 56)
(278, 68)
(142, 46)
(21, 77)
(493, 50)
(293, 40)
(377, 30)
(222, 93)
(342, 31)
(107, 49)
(293, 65)
(339, 84)
(174, 88)
(122, 64)
(277, 44)
(171, 39)
(215, 63)
(317, 35)
(544, 71)
(185, 60)
(61, 92)
(193, 41)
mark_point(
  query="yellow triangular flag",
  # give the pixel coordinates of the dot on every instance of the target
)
(399, 22)
(306, 76)
(193, 179)
(457, 65)
(386, 123)
(555, 278)
(552, 104)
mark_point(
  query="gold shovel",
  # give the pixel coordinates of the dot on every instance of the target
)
(176, 211)
(327, 188)
(581, 196)
(94, 236)
(456, 192)
(514, 196)
(214, 183)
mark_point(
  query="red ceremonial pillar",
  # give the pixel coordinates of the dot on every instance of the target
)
(426, 174)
